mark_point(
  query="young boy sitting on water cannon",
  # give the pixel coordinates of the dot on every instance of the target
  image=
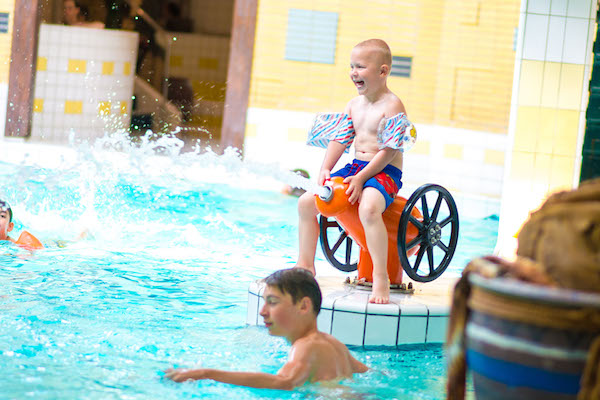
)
(376, 122)
(25, 240)
(292, 303)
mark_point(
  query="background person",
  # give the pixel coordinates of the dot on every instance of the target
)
(25, 240)
(76, 14)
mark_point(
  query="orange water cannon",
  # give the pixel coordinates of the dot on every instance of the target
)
(413, 230)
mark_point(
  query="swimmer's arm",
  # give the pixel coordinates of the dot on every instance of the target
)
(294, 373)
(357, 366)
(287, 378)
(333, 154)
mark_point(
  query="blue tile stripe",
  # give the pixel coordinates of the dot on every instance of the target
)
(4, 22)
(512, 374)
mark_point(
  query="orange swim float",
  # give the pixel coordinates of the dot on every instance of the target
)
(27, 241)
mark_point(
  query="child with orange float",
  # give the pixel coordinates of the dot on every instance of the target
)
(25, 240)
(376, 122)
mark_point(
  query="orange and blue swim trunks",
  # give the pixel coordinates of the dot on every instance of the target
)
(388, 181)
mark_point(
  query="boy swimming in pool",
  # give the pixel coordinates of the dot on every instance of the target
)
(26, 239)
(292, 303)
(374, 177)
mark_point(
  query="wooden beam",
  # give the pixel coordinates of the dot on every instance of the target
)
(23, 63)
(239, 73)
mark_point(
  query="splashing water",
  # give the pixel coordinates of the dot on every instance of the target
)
(78, 184)
(230, 161)
(163, 282)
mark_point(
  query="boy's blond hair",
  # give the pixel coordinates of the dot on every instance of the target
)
(381, 47)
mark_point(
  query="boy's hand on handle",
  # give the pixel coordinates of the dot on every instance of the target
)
(324, 175)
(355, 188)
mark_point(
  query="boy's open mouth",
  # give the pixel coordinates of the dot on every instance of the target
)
(359, 84)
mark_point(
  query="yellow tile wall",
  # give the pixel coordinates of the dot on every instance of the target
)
(462, 55)
(7, 6)
(494, 157)
(108, 68)
(203, 60)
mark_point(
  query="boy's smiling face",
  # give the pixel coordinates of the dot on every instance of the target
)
(366, 70)
(5, 225)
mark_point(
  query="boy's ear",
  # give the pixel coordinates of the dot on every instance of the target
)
(306, 304)
(10, 226)
(385, 69)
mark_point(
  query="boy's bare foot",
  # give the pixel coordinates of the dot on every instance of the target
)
(381, 291)
(310, 269)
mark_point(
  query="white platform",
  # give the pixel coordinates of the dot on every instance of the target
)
(347, 314)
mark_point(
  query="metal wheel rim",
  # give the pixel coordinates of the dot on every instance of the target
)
(342, 240)
(427, 239)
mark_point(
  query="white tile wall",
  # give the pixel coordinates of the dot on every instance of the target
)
(54, 86)
(324, 320)
(347, 315)
(381, 330)
(536, 37)
(556, 34)
(579, 8)
(412, 330)
(348, 327)
(436, 329)
(538, 6)
(559, 7)
(576, 40)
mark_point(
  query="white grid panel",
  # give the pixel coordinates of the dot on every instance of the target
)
(106, 61)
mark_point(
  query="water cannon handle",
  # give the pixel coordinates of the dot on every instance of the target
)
(336, 201)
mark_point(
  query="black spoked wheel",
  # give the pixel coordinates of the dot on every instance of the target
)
(337, 245)
(438, 233)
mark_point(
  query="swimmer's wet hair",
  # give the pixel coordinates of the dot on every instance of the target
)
(299, 283)
(4, 206)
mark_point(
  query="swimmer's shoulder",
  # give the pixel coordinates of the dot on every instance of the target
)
(354, 102)
(323, 342)
(393, 105)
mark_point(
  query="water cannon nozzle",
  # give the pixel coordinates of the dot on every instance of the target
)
(326, 193)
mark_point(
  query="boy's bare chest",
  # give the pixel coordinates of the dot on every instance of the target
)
(367, 123)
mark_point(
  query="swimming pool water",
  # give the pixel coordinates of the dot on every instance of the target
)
(162, 281)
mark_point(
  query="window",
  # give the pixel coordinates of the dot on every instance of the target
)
(401, 66)
(3, 22)
(311, 36)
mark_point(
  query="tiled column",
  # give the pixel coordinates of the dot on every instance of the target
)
(84, 82)
(550, 96)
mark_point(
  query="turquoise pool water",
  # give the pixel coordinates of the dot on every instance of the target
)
(163, 282)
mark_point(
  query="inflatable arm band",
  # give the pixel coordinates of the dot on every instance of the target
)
(397, 132)
(28, 241)
(331, 126)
